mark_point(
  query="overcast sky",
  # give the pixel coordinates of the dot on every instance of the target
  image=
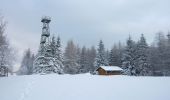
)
(84, 21)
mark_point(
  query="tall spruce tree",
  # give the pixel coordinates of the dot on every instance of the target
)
(115, 56)
(142, 61)
(48, 59)
(53, 46)
(91, 58)
(100, 59)
(129, 57)
(78, 58)
(58, 57)
(107, 56)
(58, 50)
(84, 60)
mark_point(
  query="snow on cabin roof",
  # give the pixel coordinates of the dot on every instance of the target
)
(111, 68)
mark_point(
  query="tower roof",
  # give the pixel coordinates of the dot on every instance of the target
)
(45, 19)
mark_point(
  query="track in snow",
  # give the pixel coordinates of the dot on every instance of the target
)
(27, 90)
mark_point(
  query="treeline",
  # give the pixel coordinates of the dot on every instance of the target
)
(78, 60)
(137, 58)
(159, 54)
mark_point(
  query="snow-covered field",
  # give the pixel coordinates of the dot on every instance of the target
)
(84, 87)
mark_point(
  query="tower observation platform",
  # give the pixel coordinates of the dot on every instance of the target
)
(46, 19)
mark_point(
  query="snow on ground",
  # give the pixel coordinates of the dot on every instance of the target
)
(84, 87)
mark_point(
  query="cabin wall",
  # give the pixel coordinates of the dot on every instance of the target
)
(103, 72)
(114, 73)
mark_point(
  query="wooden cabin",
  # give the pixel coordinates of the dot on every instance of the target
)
(109, 70)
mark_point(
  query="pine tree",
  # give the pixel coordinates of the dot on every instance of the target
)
(91, 58)
(129, 57)
(168, 55)
(142, 63)
(26, 67)
(107, 54)
(115, 56)
(90, 55)
(44, 62)
(59, 54)
(83, 60)
(70, 59)
(7, 56)
(58, 58)
(78, 55)
(49, 58)
(53, 46)
(100, 59)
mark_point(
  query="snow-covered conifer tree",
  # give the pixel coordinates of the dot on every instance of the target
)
(107, 54)
(78, 55)
(100, 59)
(53, 46)
(26, 67)
(83, 60)
(44, 62)
(91, 58)
(7, 56)
(114, 56)
(70, 59)
(58, 57)
(49, 60)
(129, 57)
(142, 63)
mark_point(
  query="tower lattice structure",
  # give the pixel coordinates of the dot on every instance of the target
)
(45, 36)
